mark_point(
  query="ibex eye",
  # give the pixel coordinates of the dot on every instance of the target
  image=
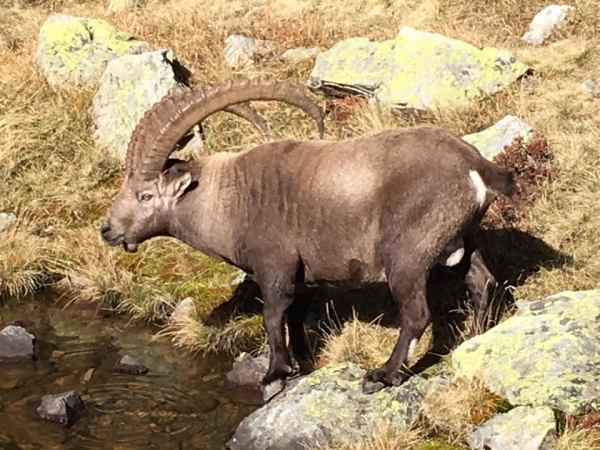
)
(146, 197)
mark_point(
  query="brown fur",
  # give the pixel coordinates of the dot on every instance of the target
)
(302, 212)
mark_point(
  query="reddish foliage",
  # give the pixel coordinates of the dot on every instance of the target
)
(532, 164)
(342, 109)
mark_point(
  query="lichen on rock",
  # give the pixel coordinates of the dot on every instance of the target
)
(129, 87)
(491, 141)
(74, 51)
(393, 73)
(547, 354)
(328, 407)
(522, 428)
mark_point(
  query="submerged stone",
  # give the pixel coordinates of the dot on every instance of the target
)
(328, 408)
(74, 51)
(522, 428)
(129, 87)
(243, 383)
(393, 73)
(16, 344)
(130, 365)
(545, 22)
(492, 140)
(63, 408)
(547, 354)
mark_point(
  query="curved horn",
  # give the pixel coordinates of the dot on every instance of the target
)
(244, 110)
(247, 111)
(167, 121)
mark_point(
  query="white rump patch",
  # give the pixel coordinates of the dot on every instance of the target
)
(480, 187)
(453, 254)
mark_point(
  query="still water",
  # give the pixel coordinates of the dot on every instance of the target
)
(178, 404)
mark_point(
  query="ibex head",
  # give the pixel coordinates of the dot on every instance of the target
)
(154, 185)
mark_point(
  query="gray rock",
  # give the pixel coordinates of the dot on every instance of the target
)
(545, 22)
(128, 88)
(63, 408)
(546, 354)
(328, 408)
(297, 55)
(242, 51)
(522, 428)
(243, 383)
(492, 140)
(121, 5)
(74, 51)
(131, 366)
(590, 86)
(6, 220)
(16, 344)
(392, 72)
(185, 309)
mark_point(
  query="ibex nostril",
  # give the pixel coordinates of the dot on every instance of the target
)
(104, 228)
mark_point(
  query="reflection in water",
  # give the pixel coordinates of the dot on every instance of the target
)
(179, 404)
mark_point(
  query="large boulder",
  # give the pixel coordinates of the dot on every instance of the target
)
(547, 354)
(328, 408)
(129, 87)
(492, 140)
(74, 51)
(522, 428)
(393, 71)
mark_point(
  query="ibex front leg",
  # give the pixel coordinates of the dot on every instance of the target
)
(278, 290)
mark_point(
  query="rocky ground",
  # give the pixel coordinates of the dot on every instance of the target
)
(78, 76)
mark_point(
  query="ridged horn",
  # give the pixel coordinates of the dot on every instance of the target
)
(167, 121)
(244, 110)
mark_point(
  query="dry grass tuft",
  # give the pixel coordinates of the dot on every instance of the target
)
(456, 411)
(24, 257)
(385, 437)
(367, 344)
(579, 439)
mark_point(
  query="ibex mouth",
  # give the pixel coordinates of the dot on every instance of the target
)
(131, 248)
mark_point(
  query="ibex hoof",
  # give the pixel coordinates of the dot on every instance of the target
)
(370, 387)
(272, 389)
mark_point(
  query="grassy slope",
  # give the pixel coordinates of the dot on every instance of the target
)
(60, 184)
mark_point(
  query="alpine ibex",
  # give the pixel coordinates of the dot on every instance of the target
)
(384, 207)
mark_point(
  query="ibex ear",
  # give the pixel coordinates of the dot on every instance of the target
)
(179, 185)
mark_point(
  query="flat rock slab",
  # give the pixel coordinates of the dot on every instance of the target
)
(545, 22)
(522, 428)
(63, 408)
(74, 51)
(243, 383)
(16, 344)
(491, 141)
(6, 220)
(393, 73)
(328, 408)
(130, 365)
(547, 354)
(129, 87)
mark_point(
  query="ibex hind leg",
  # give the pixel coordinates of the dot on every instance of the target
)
(409, 290)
